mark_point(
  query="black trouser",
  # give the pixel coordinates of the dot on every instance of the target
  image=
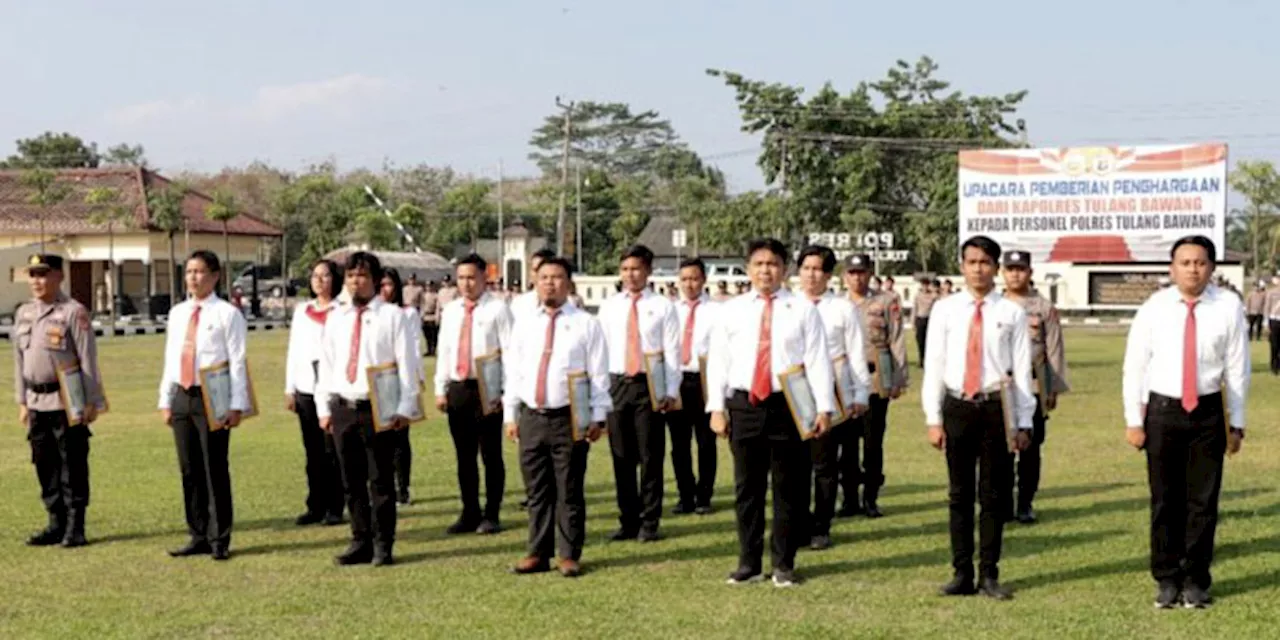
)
(475, 433)
(324, 477)
(825, 451)
(1184, 469)
(403, 461)
(690, 422)
(1255, 326)
(1029, 460)
(367, 459)
(1273, 332)
(976, 436)
(431, 330)
(554, 467)
(765, 443)
(637, 436)
(60, 454)
(869, 474)
(922, 332)
(206, 477)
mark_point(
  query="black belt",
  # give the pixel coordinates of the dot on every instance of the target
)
(339, 401)
(193, 391)
(985, 396)
(43, 387)
(1157, 400)
(558, 412)
(469, 383)
(693, 376)
(637, 378)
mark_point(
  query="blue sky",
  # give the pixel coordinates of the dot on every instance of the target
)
(208, 84)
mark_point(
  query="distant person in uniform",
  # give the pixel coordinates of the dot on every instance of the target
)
(431, 316)
(1255, 308)
(921, 308)
(696, 313)
(1271, 307)
(391, 291)
(947, 289)
(1187, 344)
(1048, 371)
(448, 291)
(529, 302)
(53, 331)
(413, 291)
(722, 291)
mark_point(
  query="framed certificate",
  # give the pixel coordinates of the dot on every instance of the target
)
(702, 373)
(488, 368)
(1044, 383)
(804, 410)
(215, 393)
(846, 389)
(884, 374)
(384, 396)
(579, 404)
(656, 378)
(1006, 408)
(72, 392)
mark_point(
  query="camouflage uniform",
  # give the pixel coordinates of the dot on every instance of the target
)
(47, 336)
(886, 342)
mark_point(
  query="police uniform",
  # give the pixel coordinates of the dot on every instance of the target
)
(881, 316)
(921, 308)
(1048, 371)
(49, 335)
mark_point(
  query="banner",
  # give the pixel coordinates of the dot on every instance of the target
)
(1095, 204)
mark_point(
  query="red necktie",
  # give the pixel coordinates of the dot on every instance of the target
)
(1190, 375)
(686, 345)
(464, 341)
(547, 343)
(973, 354)
(353, 359)
(762, 384)
(188, 375)
(634, 357)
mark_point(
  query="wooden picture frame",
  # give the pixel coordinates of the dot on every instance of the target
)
(655, 373)
(884, 377)
(71, 392)
(845, 387)
(579, 404)
(488, 368)
(800, 400)
(702, 375)
(215, 389)
(384, 404)
(1006, 409)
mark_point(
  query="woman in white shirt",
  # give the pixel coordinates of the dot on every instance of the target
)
(392, 291)
(325, 497)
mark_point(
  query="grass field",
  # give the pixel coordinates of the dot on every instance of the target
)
(1080, 573)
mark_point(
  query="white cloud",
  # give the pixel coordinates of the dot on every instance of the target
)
(145, 113)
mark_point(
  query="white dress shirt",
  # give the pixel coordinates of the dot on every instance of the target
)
(845, 337)
(491, 323)
(659, 331)
(303, 355)
(1153, 354)
(1006, 347)
(703, 320)
(413, 332)
(797, 338)
(578, 346)
(383, 340)
(220, 337)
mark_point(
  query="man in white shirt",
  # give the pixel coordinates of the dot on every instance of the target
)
(977, 343)
(696, 314)
(366, 333)
(1186, 345)
(761, 335)
(528, 302)
(639, 325)
(844, 336)
(558, 379)
(203, 330)
(476, 325)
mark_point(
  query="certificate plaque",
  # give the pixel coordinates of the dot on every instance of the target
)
(846, 389)
(72, 392)
(804, 409)
(1006, 408)
(488, 370)
(215, 393)
(702, 375)
(884, 373)
(384, 396)
(656, 378)
(579, 404)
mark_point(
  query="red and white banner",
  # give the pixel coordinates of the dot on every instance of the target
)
(1095, 204)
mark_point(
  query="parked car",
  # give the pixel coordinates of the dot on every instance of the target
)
(271, 282)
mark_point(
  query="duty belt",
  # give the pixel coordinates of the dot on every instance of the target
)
(42, 387)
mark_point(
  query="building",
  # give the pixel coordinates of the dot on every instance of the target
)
(660, 235)
(518, 245)
(133, 261)
(426, 266)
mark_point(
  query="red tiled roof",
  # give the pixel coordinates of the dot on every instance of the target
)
(71, 216)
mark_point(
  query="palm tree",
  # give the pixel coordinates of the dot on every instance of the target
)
(109, 209)
(224, 210)
(46, 192)
(166, 215)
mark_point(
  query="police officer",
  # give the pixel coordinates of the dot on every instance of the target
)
(922, 305)
(53, 331)
(886, 345)
(1048, 370)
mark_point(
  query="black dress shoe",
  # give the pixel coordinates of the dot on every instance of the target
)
(463, 525)
(308, 518)
(1026, 516)
(74, 539)
(959, 586)
(46, 538)
(848, 510)
(355, 554)
(402, 498)
(624, 534)
(524, 504)
(221, 553)
(649, 535)
(383, 558)
(820, 542)
(990, 587)
(745, 575)
(703, 509)
(1193, 597)
(683, 509)
(872, 511)
(1167, 595)
(332, 519)
(488, 527)
(193, 548)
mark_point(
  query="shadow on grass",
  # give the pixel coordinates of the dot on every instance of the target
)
(271, 524)
(1133, 504)
(1087, 572)
(1246, 584)
(1264, 512)
(512, 548)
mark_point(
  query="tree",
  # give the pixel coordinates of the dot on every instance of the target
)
(46, 192)
(604, 135)
(224, 209)
(110, 210)
(1259, 183)
(123, 155)
(166, 215)
(53, 151)
(880, 158)
(468, 206)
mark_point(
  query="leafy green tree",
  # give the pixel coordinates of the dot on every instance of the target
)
(1259, 183)
(223, 210)
(53, 151)
(108, 208)
(165, 205)
(603, 135)
(46, 192)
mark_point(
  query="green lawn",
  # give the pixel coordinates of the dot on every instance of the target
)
(1080, 573)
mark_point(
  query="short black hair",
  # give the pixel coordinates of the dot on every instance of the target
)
(694, 262)
(557, 261)
(364, 260)
(889, 279)
(639, 252)
(1199, 241)
(542, 254)
(983, 244)
(474, 259)
(335, 276)
(936, 282)
(772, 245)
(827, 256)
(397, 285)
(209, 258)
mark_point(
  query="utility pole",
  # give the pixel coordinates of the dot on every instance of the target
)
(502, 247)
(564, 171)
(577, 178)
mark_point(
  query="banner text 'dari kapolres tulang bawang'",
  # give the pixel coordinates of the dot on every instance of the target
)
(1095, 204)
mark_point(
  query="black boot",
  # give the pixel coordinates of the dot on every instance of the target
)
(869, 507)
(52, 534)
(75, 530)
